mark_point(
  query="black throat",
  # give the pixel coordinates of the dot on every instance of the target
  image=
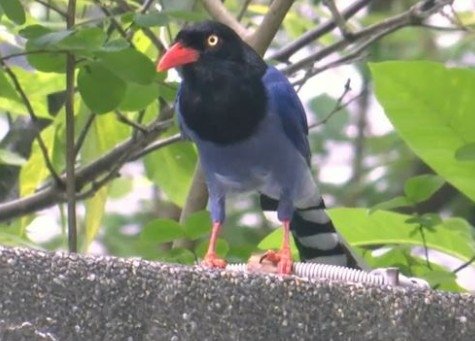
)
(223, 102)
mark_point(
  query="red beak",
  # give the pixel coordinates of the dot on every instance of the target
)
(177, 55)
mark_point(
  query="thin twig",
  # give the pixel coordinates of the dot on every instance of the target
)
(49, 5)
(464, 265)
(219, 12)
(70, 149)
(243, 10)
(157, 145)
(412, 17)
(284, 53)
(338, 18)
(83, 133)
(112, 19)
(262, 37)
(424, 244)
(338, 105)
(34, 118)
(124, 119)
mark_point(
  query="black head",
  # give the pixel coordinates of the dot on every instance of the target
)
(210, 44)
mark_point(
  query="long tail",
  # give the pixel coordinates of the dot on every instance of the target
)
(315, 236)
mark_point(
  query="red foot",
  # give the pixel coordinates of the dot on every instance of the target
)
(211, 260)
(282, 259)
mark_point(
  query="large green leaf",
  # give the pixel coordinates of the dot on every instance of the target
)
(101, 89)
(161, 231)
(453, 236)
(431, 107)
(130, 65)
(171, 168)
(422, 187)
(37, 85)
(94, 212)
(13, 10)
(138, 96)
(6, 89)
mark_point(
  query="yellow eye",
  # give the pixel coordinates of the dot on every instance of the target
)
(212, 40)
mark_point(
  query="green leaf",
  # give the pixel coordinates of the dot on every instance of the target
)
(427, 220)
(14, 11)
(6, 89)
(222, 248)
(161, 231)
(86, 39)
(466, 152)
(178, 255)
(422, 187)
(273, 241)
(38, 86)
(431, 107)
(453, 236)
(101, 90)
(138, 96)
(95, 208)
(197, 225)
(34, 171)
(171, 168)
(130, 65)
(9, 158)
(390, 204)
(151, 19)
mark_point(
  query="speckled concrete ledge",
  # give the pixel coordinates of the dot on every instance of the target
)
(47, 296)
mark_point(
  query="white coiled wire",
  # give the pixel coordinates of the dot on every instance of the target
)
(383, 276)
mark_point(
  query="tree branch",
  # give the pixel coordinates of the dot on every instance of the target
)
(54, 194)
(53, 7)
(31, 112)
(266, 31)
(285, 52)
(70, 149)
(220, 13)
(412, 17)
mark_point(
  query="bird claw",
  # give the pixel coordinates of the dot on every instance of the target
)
(212, 261)
(282, 259)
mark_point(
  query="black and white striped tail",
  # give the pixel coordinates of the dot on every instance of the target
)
(315, 236)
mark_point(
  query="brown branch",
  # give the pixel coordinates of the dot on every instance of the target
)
(70, 149)
(34, 118)
(285, 52)
(83, 133)
(412, 17)
(220, 13)
(338, 18)
(53, 7)
(266, 31)
(54, 194)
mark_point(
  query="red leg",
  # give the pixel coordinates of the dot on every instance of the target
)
(211, 260)
(282, 258)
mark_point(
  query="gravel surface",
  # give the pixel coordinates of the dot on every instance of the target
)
(56, 296)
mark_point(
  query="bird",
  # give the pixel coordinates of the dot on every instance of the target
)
(251, 132)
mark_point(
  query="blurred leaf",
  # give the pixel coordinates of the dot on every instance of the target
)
(34, 172)
(466, 152)
(6, 89)
(171, 168)
(120, 187)
(273, 241)
(14, 11)
(94, 81)
(130, 65)
(428, 220)
(390, 204)
(94, 212)
(422, 187)
(178, 255)
(453, 236)
(151, 19)
(197, 225)
(431, 107)
(138, 96)
(161, 231)
(222, 248)
(37, 85)
(10, 158)
(86, 39)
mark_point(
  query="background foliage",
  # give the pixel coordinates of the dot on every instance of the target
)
(403, 193)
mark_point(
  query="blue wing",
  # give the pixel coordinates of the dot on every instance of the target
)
(284, 100)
